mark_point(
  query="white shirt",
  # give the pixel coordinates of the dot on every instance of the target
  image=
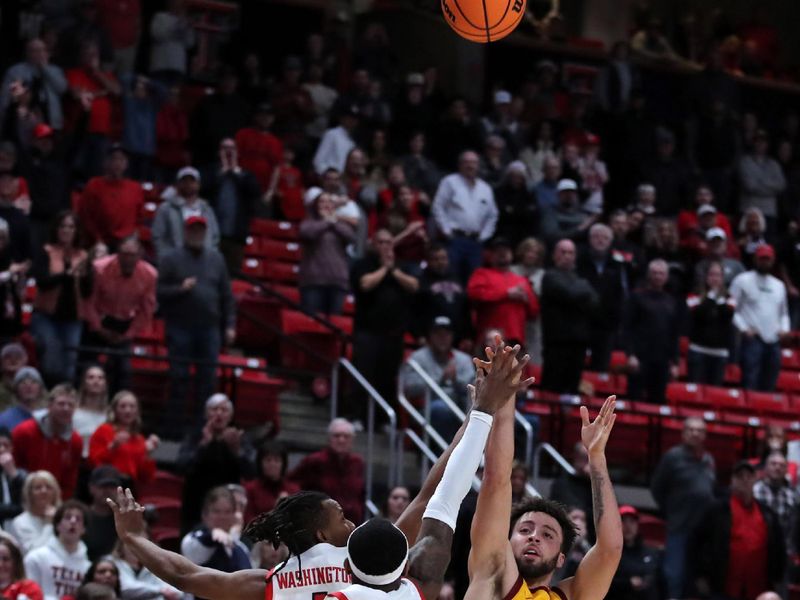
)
(319, 570)
(140, 585)
(58, 572)
(333, 150)
(30, 531)
(407, 591)
(470, 208)
(761, 305)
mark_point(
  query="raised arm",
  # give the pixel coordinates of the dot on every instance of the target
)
(596, 570)
(173, 568)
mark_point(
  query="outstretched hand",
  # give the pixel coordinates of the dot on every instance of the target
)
(594, 434)
(128, 514)
(502, 377)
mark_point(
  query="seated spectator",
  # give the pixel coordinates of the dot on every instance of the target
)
(110, 204)
(181, 202)
(233, 193)
(210, 544)
(260, 151)
(396, 503)
(12, 481)
(29, 395)
(271, 483)
(689, 219)
(323, 274)
(716, 251)
(120, 443)
(59, 565)
(546, 189)
(41, 496)
(493, 160)
(450, 368)
(48, 442)
(92, 404)
(530, 255)
(121, 306)
(103, 571)
(215, 455)
(440, 293)
(337, 142)
(567, 219)
(752, 232)
(136, 581)
(637, 576)
(101, 534)
(13, 357)
(421, 172)
(336, 470)
(142, 99)
(694, 240)
(516, 205)
(13, 582)
(710, 328)
(761, 181)
(645, 199)
(775, 491)
(64, 281)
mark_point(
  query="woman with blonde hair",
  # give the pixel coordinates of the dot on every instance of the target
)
(41, 496)
(92, 404)
(13, 583)
(119, 441)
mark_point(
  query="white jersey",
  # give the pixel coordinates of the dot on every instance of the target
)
(311, 576)
(408, 590)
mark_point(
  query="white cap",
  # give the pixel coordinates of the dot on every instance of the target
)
(705, 209)
(312, 194)
(716, 232)
(502, 97)
(188, 172)
(567, 185)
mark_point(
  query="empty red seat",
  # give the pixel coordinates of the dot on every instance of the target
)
(602, 384)
(315, 336)
(281, 250)
(274, 270)
(255, 397)
(725, 399)
(163, 485)
(653, 530)
(769, 404)
(258, 319)
(733, 374)
(686, 393)
(789, 381)
(288, 291)
(281, 230)
(254, 267)
(790, 359)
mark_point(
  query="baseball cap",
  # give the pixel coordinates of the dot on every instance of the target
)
(502, 97)
(27, 373)
(311, 195)
(567, 185)
(765, 251)
(105, 475)
(13, 348)
(42, 130)
(415, 79)
(442, 322)
(626, 510)
(705, 209)
(195, 220)
(716, 232)
(187, 172)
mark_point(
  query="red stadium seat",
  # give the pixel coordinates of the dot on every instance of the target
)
(279, 230)
(653, 530)
(726, 399)
(769, 404)
(314, 335)
(255, 397)
(603, 384)
(789, 382)
(280, 271)
(790, 359)
(687, 393)
(733, 374)
(163, 485)
(726, 445)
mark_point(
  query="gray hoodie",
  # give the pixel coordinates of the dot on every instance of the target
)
(168, 224)
(58, 572)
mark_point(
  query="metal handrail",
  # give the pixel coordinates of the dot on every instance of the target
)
(375, 398)
(555, 455)
(425, 449)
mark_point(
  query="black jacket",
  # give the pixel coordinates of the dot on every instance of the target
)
(247, 195)
(652, 325)
(11, 504)
(638, 560)
(710, 321)
(568, 304)
(609, 285)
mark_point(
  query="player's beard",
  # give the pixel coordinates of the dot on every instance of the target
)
(537, 571)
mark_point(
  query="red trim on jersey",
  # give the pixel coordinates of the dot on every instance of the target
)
(268, 580)
(515, 588)
(338, 595)
(416, 585)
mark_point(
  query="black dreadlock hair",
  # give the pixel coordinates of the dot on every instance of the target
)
(294, 521)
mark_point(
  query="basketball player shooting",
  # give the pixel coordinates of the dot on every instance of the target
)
(541, 533)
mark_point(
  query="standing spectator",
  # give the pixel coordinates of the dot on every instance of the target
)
(322, 97)
(568, 304)
(458, 130)
(530, 256)
(100, 533)
(775, 492)
(605, 272)
(85, 27)
(29, 391)
(541, 150)
(516, 204)
(567, 219)
(546, 190)
(752, 232)
(141, 102)
(46, 82)
(594, 175)
(121, 306)
(260, 151)
(172, 35)
(122, 20)
(384, 294)
(323, 275)
(421, 172)
(637, 576)
(761, 180)
(270, 483)
(41, 497)
(194, 294)
(503, 300)
(616, 80)
(502, 121)
(448, 367)
(109, 206)
(336, 470)
(651, 329)
(119, 441)
(337, 142)
(671, 175)
(13, 357)
(64, 280)
(738, 549)
(13, 582)
(216, 454)
(233, 193)
(465, 213)
(92, 404)
(48, 442)
(12, 480)
(172, 135)
(180, 203)
(287, 188)
(18, 236)
(441, 294)
(683, 487)
(716, 252)
(762, 318)
(59, 565)
(689, 227)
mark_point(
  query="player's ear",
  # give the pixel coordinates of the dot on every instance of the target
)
(562, 558)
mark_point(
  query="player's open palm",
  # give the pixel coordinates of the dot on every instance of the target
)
(594, 434)
(502, 380)
(128, 514)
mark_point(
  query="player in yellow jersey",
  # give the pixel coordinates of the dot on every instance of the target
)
(517, 562)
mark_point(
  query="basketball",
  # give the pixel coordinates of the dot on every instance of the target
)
(483, 21)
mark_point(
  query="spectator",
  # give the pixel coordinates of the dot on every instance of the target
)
(142, 99)
(64, 280)
(645, 199)
(44, 80)
(84, 27)
(60, 564)
(616, 81)
(322, 97)
(710, 328)
(661, 242)
(694, 241)
(542, 151)
(384, 293)
(121, 306)
(13, 582)
(41, 496)
(336, 470)
(181, 203)
(606, 274)
(136, 581)
(788, 270)
(738, 550)
(516, 205)
(337, 142)
(94, 591)
(629, 251)
(546, 190)
(214, 455)
(172, 135)
(102, 572)
(287, 188)
(29, 392)
(683, 487)
(109, 206)
(713, 149)
(448, 367)
(172, 35)
(568, 304)
(752, 230)
(651, 43)
(775, 492)
(519, 480)
(216, 117)
(465, 213)
(48, 442)
(260, 151)
(530, 264)
(11, 284)
(271, 483)
(502, 299)
(717, 247)
(396, 503)
(493, 161)
(637, 576)
(671, 175)
(421, 172)
(323, 275)
(123, 24)
(120, 443)
(652, 328)
(293, 105)
(440, 293)
(502, 122)
(567, 219)
(100, 534)
(690, 229)
(13, 357)
(594, 175)
(580, 546)
(575, 490)
(233, 193)
(19, 232)
(12, 480)
(762, 318)
(761, 180)
(92, 404)
(210, 544)
(457, 131)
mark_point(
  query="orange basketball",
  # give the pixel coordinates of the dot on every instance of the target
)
(483, 20)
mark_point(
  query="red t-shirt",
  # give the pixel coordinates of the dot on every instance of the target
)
(488, 288)
(291, 191)
(100, 111)
(259, 152)
(130, 458)
(34, 452)
(23, 587)
(109, 209)
(747, 561)
(120, 19)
